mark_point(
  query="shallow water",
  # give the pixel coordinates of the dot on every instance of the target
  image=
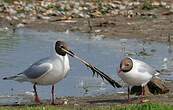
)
(21, 49)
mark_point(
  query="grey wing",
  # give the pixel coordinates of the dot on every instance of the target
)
(146, 68)
(38, 69)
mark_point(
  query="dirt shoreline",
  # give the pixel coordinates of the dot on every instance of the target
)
(119, 98)
(148, 20)
(120, 27)
(151, 29)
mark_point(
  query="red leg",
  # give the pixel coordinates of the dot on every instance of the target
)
(37, 100)
(129, 100)
(53, 94)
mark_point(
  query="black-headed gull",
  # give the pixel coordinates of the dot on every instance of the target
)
(47, 71)
(136, 73)
(50, 70)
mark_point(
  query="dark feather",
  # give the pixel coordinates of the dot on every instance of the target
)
(103, 76)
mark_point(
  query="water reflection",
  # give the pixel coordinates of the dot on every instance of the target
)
(8, 44)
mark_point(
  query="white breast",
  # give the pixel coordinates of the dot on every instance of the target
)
(135, 77)
(60, 68)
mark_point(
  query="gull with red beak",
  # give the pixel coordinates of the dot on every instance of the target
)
(52, 69)
(136, 73)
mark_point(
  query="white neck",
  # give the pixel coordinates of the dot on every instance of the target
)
(65, 58)
(55, 55)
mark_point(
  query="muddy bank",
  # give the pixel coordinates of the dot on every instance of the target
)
(118, 98)
(104, 99)
(149, 20)
(115, 99)
(156, 29)
(153, 29)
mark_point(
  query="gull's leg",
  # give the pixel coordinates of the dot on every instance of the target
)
(129, 100)
(37, 100)
(53, 95)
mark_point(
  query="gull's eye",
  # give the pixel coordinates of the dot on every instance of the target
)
(61, 46)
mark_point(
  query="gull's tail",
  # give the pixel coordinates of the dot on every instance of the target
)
(19, 77)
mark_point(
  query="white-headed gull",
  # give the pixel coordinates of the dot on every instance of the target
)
(136, 73)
